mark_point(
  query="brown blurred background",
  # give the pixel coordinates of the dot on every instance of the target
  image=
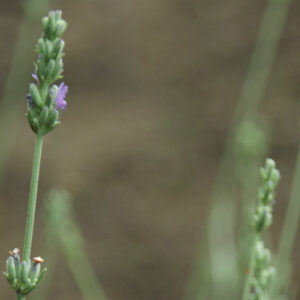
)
(153, 88)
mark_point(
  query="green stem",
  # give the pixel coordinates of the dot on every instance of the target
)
(247, 287)
(20, 297)
(288, 233)
(32, 198)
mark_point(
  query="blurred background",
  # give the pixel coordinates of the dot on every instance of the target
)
(153, 87)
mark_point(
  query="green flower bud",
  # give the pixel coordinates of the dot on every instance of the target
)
(270, 165)
(26, 265)
(262, 218)
(35, 272)
(275, 177)
(50, 70)
(41, 46)
(44, 115)
(45, 22)
(35, 94)
(58, 48)
(53, 116)
(57, 15)
(11, 270)
(61, 27)
(52, 25)
(49, 48)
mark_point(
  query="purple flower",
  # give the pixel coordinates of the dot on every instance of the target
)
(61, 104)
(35, 77)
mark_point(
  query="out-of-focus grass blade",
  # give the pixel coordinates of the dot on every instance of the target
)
(63, 234)
(287, 238)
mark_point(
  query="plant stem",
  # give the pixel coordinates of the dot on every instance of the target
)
(288, 233)
(32, 198)
(247, 287)
(20, 297)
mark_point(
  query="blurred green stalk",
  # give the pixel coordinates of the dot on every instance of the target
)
(13, 99)
(288, 235)
(61, 228)
(231, 168)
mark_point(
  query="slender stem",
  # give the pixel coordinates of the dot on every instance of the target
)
(32, 198)
(247, 287)
(288, 233)
(20, 297)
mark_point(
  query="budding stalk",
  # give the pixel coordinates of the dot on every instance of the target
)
(45, 99)
(45, 102)
(261, 273)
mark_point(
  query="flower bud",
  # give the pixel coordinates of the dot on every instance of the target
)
(48, 50)
(58, 47)
(57, 14)
(45, 22)
(35, 272)
(35, 94)
(41, 46)
(61, 26)
(51, 25)
(44, 115)
(25, 271)
(53, 116)
(50, 70)
(11, 270)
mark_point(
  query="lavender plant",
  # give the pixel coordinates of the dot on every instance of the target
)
(260, 272)
(237, 166)
(45, 102)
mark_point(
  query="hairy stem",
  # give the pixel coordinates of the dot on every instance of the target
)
(32, 198)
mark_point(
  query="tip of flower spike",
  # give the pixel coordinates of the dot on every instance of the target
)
(38, 260)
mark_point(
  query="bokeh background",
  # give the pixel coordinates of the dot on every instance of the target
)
(153, 90)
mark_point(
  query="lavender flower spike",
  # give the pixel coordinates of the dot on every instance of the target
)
(61, 104)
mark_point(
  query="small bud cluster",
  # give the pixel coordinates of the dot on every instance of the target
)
(23, 276)
(264, 273)
(45, 99)
(266, 195)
